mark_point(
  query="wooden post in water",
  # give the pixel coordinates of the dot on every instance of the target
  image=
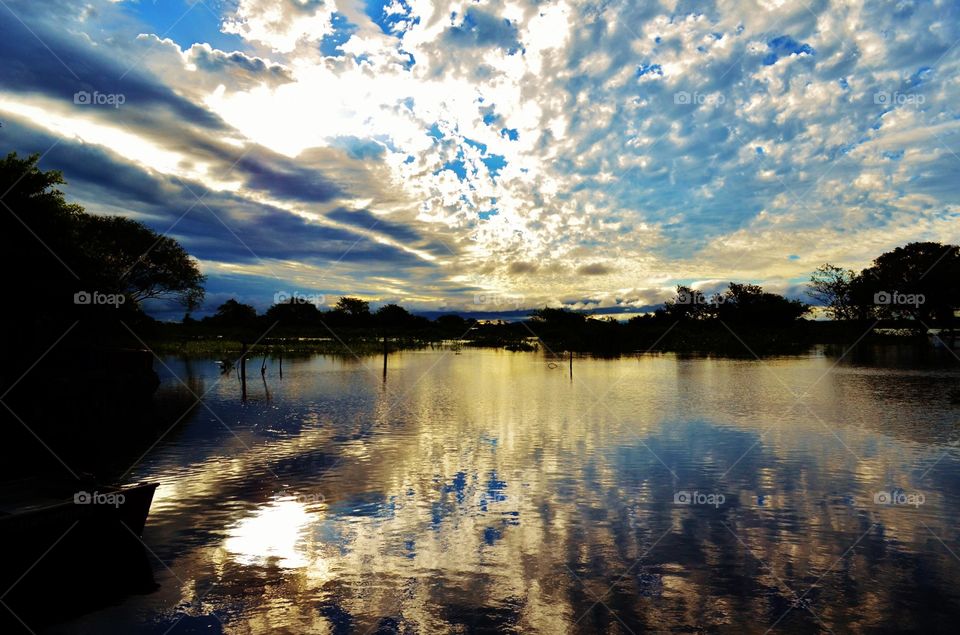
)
(384, 359)
(281, 363)
(243, 371)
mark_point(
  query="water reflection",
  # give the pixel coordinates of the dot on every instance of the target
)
(274, 534)
(487, 492)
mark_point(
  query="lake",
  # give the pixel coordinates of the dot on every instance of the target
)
(491, 491)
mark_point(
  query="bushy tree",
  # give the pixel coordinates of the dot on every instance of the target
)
(63, 250)
(919, 281)
(750, 304)
(129, 257)
(392, 316)
(354, 307)
(233, 313)
(833, 288)
(293, 313)
(687, 304)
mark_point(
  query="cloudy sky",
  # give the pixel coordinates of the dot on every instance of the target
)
(494, 154)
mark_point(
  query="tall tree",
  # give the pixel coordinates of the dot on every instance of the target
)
(129, 257)
(233, 313)
(56, 242)
(831, 286)
(354, 307)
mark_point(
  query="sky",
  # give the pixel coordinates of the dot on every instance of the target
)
(493, 156)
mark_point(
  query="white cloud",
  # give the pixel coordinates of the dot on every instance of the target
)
(281, 25)
(666, 146)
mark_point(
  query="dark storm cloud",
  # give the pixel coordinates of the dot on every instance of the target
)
(284, 178)
(594, 269)
(364, 219)
(220, 227)
(60, 64)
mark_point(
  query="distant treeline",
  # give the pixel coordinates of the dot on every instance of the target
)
(913, 287)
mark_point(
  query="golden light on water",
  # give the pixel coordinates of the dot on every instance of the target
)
(275, 533)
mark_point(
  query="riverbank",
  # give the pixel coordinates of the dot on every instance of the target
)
(598, 337)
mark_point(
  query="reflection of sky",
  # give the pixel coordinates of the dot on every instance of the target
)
(492, 490)
(272, 533)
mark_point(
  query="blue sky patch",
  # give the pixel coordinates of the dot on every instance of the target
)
(389, 23)
(342, 30)
(785, 46)
(649, 69)
(495, 163)
(456, 166)
(185, 22)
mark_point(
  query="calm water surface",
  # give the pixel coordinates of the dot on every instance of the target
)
(488, 491)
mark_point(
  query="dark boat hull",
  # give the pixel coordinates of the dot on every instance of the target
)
(72, 557)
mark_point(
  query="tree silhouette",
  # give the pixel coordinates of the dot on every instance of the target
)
(65, 250)
(355, 307)
(295, 312)
(233, 313)
(919, 281)
(130, 257)
(392, 316)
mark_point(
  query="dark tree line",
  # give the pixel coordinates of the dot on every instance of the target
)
(739, 304)
(916, 284)
(348, 313)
